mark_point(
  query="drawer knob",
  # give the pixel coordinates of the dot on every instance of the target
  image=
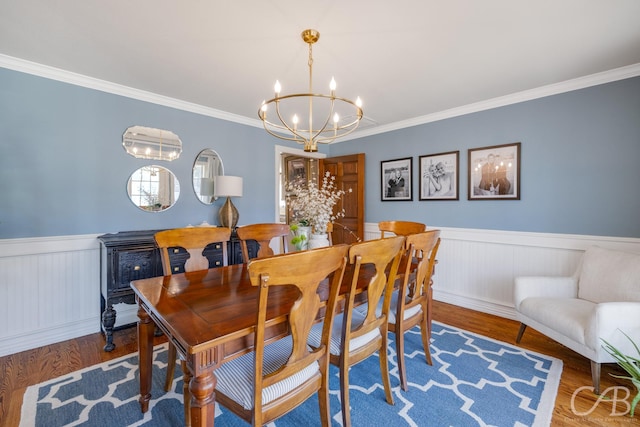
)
(136, 268)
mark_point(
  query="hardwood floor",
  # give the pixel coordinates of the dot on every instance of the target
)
(20, 370)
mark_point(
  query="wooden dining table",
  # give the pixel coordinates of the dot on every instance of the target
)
(210, 317)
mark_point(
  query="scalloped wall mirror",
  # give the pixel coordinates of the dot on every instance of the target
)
(151, 144)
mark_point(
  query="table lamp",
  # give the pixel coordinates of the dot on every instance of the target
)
(228, 186)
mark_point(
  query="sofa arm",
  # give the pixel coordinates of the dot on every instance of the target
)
(544, 287)
(609, 318)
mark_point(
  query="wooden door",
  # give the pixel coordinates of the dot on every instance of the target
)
(349, 173)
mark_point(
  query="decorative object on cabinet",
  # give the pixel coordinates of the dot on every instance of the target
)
(151, 144)
(228, 186)
(327, 122)
(396, 179)
(153, 188)
(206, 167)
(133, 255)
(494, 172)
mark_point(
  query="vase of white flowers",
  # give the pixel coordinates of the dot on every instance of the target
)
(315, 205)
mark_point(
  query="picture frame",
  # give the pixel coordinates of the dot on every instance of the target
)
(494, 172)
(297, 170)
(439, 176)
(396, 180)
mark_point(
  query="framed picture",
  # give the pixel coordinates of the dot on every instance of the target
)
(297, 170)
(494, 172)
(439, 176)
(395, 177)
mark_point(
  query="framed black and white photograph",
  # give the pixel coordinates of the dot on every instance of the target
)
(439, 176)
(395, 177)
(494, 172)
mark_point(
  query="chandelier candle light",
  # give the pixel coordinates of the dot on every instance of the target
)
(330, 126)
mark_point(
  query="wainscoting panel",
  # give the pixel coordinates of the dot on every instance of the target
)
(49, 291)
(50, 287)
(476, 268)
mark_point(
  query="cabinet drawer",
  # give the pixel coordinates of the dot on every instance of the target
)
(134, 265)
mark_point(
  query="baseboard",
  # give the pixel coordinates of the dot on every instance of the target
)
(42, 337)
(489, 307)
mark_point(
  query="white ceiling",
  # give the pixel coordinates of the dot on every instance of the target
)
(405, 59)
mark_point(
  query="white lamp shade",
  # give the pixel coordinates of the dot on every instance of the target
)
(228, 186)
(206, 186)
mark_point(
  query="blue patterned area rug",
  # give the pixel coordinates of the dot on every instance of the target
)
(474, 380)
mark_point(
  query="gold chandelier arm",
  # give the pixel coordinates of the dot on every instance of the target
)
(311, 136)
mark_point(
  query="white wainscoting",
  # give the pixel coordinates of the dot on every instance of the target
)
(49, 290)
(50, 287)
(476, 268)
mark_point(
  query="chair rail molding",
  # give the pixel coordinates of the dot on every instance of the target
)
(476, 268)
(50, 286)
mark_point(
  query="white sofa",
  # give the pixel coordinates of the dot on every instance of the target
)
(600, 300)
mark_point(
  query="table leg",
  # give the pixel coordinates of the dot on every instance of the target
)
(145, 356)
(203, 399)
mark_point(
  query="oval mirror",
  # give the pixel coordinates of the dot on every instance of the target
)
(153, 144)
(153, 188)
(207, 166)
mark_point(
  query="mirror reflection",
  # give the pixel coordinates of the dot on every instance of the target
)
(206, 167)
(153, 144)
(153, 188)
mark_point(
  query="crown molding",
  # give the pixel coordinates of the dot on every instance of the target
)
(527, 95)
(76, 79)
(58, 74)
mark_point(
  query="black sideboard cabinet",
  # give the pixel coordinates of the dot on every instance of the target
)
(133, 255)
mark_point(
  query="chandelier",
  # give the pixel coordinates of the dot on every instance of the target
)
(333, 118)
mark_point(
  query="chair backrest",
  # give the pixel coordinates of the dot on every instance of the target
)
(305, 271)
(384, 255)
(608, 275)
(194, 240)
(263, 233)
(401, 228)
(421, 248)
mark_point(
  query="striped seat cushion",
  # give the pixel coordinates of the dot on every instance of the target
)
(357, 318)
(235, 378)
(392, 313)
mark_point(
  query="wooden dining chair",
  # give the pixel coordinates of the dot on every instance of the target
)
(415, 305)
(183, 250)
(400, 228)
(263, 233)
(278, 376)
(356, 336)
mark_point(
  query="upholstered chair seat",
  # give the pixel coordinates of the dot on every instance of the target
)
(600, 301)
(235, 378)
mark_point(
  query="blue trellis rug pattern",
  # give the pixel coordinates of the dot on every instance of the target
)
(474, 381)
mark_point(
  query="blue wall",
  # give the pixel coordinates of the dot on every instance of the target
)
(580, 170)
(63, 170)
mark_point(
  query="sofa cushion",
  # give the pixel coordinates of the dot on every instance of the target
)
(608, 275)
(568, 316)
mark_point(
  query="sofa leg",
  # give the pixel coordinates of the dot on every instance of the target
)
(595, 376)
(521, 332)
